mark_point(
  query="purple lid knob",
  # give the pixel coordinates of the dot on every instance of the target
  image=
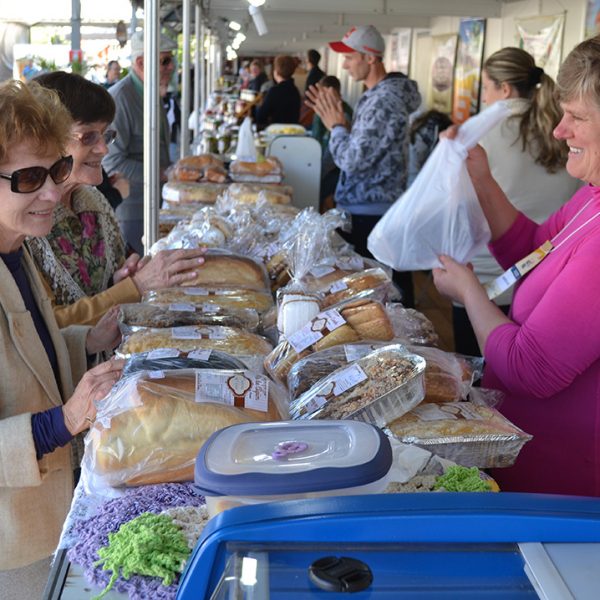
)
(283, 449)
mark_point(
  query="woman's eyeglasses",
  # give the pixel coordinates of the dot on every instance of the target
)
(165, 61)
(31, 179)
(91, 138)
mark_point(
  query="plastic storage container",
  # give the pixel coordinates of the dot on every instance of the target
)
(252, 463)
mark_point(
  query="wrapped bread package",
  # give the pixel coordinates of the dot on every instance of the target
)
(178, 314)
(152, 425)
(251, 193)
(267, 171)
(355, 321)
(214, 337)
(204, 167)
(468, 434)
(186, 192)
(228, 299)
(378, 388)
(412, 326)
(230, 270)
(371, 283)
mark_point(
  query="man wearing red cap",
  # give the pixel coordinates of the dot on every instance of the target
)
(372, 151)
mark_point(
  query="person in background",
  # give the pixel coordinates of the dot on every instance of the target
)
(330, 172)
(126, 154)
(315, 73)
(371, 152)
(244, 75)
(46, 397)
(282, 102)
(83, 257)
(113, 73)
(525, 159)
(545, 354)
(173, 113)
(258, 76)
(423, 136)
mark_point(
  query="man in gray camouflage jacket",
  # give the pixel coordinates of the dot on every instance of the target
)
(372, 152)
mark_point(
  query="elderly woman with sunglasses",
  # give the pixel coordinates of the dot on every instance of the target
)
(41, 410)
(83, 258)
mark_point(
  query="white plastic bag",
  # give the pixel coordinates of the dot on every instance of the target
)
(246, 150)
(439, 213)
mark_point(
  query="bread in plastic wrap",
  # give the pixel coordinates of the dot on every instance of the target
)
(226, 298)
(268, 170)
(468, 434)
(177, 314)
(411, 326)
(186, 192)
(251, 193)
(357, 320)
(369, 283)
(230, 270)
(377, 388)
(150, 428)
(215, 337)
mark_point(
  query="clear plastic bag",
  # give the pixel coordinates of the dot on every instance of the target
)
(411, 326)
(440, 212)
(246, 149)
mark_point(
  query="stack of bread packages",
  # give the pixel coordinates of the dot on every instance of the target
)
(194, 359)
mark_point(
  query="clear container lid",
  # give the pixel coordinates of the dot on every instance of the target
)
(264, 459)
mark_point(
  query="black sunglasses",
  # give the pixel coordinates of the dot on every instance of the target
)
(165, 61)
(31, 179)
(91, 138)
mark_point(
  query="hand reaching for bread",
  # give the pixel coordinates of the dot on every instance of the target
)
(106, 334)
(80, 410)
(168, 268)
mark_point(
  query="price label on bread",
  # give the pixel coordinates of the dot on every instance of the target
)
(197, 333)
(209, 308)
(322, 270)
(201, 354)
(437, 412)
(163, 353)
(195, 291)
(181, 307)
(242, 389)
(338, 286)
(314, 330)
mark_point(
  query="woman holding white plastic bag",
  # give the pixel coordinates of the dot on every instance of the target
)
(525, 159)
(545, 356)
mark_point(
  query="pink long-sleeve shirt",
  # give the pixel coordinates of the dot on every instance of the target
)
(548, 360)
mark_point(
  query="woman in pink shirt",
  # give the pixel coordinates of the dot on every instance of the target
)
(546, 354)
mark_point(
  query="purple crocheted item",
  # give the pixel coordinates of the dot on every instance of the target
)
(93, 534)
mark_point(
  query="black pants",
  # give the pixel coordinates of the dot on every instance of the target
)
(362, 225)
(465, 341)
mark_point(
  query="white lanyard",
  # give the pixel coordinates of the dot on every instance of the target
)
(513, 274)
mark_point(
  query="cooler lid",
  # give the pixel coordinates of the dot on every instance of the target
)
(289, 457)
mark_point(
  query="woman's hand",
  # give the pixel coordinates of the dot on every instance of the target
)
(129, 267)
(105, 335)
(80, 410)
(455, 281)
(327, 104)
(121, 183)
(169, 268)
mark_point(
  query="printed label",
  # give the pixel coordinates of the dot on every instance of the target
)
(195, 291)
(198, 333)
(156, 374)
(209, 308)
(201, 354)
(338, 286)
(453, 411)
(242, 389)
(163, 353)
(181, 307)
(314, 330)
(346, 379)
(322, 270)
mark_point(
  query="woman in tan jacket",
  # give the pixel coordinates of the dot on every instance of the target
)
(42, 407)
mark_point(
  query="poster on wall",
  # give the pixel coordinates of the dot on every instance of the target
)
(542, 38)
(592, 18)
(443, 56)
(467, 72)
(398, 58)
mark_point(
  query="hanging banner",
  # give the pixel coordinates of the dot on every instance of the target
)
(542, 38)
(443, 56)
(467, 73)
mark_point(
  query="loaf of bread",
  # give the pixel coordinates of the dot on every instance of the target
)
(250, 193)
(230, 270)
(355, 284)
(225, 298)
(227, 339)
(364, 320)
(156, 433)
(185, 192)
(263, 168)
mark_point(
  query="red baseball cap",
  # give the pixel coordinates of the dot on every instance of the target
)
(360, 39)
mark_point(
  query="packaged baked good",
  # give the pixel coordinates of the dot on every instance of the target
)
(182, 192)
(469, 435)
(253, 192)
(268, 170)
(215, 337)
(213, 296)
(177, 314)
(412, 326)
(371, 283)
(151, 426)
(357, 320)
(226, 269)
(377, 388)
(204, 167)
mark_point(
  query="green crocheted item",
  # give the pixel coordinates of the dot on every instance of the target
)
(147, 545)
(462, 479)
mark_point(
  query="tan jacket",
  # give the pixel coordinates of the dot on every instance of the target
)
(34, 495)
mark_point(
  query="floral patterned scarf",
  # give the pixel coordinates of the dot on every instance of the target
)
(84, 249)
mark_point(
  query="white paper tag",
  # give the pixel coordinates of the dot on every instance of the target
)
(163, 353)
(322, 270)
(356, 351)
(181, 307)
(314, 330)
(195, 291)
(201, 354)
(338, 286)
(156, 374)
(207, 307)
(353, 263)
(242, 389)
(347, 378)
(188, 332)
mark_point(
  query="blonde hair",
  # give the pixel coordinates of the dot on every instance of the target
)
(579, 74)
(33, 114)
(517, 68)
